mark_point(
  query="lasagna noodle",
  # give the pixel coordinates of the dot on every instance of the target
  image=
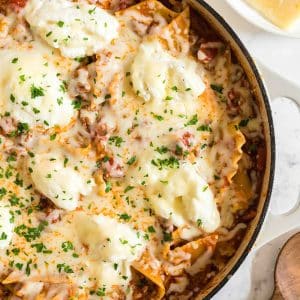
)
(143, 266)
(175, 36)
(149, 9)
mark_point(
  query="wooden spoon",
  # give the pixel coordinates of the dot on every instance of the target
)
(287, 272)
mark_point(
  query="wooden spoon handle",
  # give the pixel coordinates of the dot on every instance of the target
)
(276, 294)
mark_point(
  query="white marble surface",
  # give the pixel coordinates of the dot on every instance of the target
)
(254, 279)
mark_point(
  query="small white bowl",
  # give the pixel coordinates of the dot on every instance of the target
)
(254, 17)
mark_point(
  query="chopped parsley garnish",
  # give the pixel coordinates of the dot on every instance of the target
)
(192, 121)
(19, 266)
(168, 98)
(123, 242)
(60, 24)
(77, 103)
(91, 11)
(66, 246)
(116, 140)
(131, 160)
(36, 91)
(35, 110)
(63, 87)
(59, 101)
(157, 117)
(3, 236)
(15, 251)
(108, 187)
(65, 268)
(49, 33)
(3, 192)
(128, 188)
(217, 88)
(162, 149)
(204, 127)
(171, 162)
(204, 188)
(101, 292)
(124, 217)
(30, 233)
(244, 123)
(21, 128)
(167, 236)
(14, 60)
(53, 137)
(178, 150)
(12, 98)
(151, 229)
(174, 88)
(27, 270)
(40, 247)
(65, 161)
(22, 78)
(199, 222)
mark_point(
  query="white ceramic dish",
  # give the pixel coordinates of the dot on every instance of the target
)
(254, 17)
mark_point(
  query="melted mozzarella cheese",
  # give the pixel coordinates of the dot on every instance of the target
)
(159, 76)
(77, 29)
(31, 90)
(179, 194)
(112, 247)
(59, 177)
(6, 227)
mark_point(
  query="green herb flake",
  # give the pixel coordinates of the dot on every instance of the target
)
(101, 292)
(65, 268)
(244, 123)
(157, 117)
(36, 91)
(128, 188)
(167, 237)
(168, 98)
(14, 60)
(199, 222)
(162, 149)
(204, 188)
(116, 140)
(131, 160)
(53, 136)
(171, 162)
(124, 217)
(67, 246)
(60, 24)
(204, 127)
(77, 103)
(151, 229)
(192, 121)
(3, 236)
(108, 187)
(12, 98)
(217, 88)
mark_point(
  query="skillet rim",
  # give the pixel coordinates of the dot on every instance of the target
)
(266, 102)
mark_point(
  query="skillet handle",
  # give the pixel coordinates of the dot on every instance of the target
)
(282, 223)
(278, 86)
(277, 224)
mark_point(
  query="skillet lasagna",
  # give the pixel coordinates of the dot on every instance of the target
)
(132, 150)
